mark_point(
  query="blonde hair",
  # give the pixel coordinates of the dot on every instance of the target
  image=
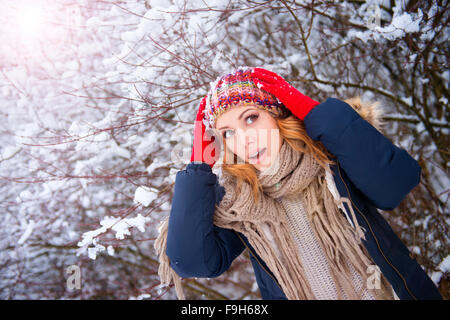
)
(292, 130)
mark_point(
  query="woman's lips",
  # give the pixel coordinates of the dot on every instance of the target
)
(261, 153)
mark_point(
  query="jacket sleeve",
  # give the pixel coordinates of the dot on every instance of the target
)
(382, 171)
(195, 247)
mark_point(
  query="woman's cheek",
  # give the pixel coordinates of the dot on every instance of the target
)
(233, 146)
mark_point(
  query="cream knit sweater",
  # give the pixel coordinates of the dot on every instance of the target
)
(312, 256)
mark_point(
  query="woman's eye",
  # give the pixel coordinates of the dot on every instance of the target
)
(253, 117)
(227, 133)
(249, 120)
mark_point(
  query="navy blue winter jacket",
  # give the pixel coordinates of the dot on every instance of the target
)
(370, 170)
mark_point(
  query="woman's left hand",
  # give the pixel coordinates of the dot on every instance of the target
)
(299, 104)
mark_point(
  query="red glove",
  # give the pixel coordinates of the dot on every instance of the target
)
(299, 104)
(205, 145)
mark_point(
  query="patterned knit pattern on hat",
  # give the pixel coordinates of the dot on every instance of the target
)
(237, 89)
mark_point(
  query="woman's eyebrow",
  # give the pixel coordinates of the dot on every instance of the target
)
(238, 118)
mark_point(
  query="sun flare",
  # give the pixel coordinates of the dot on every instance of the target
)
(31, 21)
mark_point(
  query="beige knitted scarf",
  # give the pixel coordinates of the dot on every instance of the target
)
(265, 225)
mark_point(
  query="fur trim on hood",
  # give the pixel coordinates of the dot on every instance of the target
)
(369, 111)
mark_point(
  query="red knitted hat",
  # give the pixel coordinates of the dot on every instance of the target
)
(237, 89)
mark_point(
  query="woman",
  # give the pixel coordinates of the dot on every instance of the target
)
(300, 184)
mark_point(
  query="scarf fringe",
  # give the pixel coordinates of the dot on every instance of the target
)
(166, 274)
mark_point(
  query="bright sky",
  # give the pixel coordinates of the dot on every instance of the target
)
(28, 26)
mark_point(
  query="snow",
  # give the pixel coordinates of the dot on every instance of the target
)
(443, 100)
(122, 227)
(195, 24)
(141, 297)
(443, 267)
(27, 232)
(215, 63)
(400, 25)
(156, 164)
(92, 252)
(110, 250)
(118, 225)
(8, 151)
(145, 195)
(420, 127)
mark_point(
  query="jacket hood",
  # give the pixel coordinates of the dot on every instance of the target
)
(369, 111)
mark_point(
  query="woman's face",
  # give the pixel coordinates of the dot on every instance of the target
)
(251, 133)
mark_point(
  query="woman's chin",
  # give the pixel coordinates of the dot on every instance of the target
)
(261, 165)
(264, 162)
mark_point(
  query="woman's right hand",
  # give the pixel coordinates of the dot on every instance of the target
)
(205, 148)
(299, 104)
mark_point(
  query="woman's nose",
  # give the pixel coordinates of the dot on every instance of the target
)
(247, 137)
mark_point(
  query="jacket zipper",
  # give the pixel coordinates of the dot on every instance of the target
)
(373, 234)
(257, 260)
